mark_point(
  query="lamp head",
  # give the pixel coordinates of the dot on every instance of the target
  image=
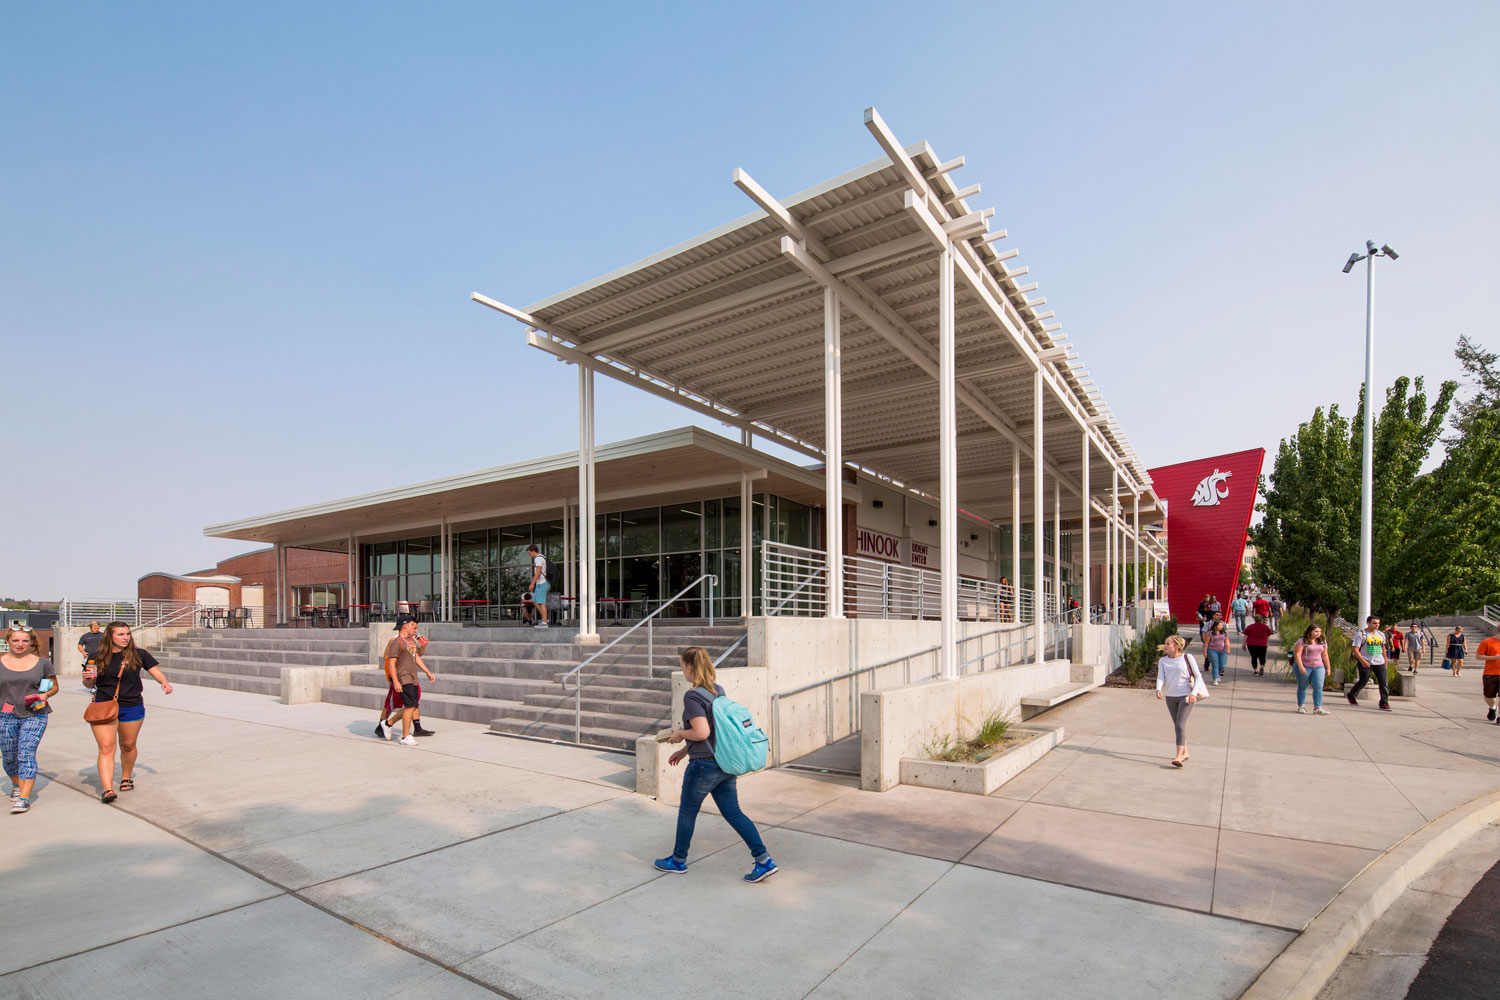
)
(1385, 248)
(1370, 248)
(1354, 258)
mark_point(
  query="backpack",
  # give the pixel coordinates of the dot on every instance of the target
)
(549, 572)
(739, 745)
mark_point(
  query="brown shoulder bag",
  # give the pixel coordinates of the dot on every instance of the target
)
(100, 712)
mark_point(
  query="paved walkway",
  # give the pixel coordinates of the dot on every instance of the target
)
(284, 849)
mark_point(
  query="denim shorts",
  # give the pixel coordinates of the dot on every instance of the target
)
(132, 713)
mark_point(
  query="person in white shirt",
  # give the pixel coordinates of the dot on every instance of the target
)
(1177, 676)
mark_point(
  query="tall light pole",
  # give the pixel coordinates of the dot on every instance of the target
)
(1367, 484)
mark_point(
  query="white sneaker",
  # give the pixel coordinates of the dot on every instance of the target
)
(408, 741)
(1216, 683)
(540, 625)
(1301, 710)
(1320, 711)
(15, 792)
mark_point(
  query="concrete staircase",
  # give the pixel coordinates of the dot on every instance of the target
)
(251, 659)
(509, 679)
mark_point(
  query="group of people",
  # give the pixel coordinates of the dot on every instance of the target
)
(113, 668)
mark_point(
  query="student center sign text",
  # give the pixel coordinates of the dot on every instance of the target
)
(888, 548)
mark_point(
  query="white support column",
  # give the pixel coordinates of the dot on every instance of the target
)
(588, 630)
(833, 452)
(1057, 579)
(349, 582)
(280, 584)
(1115, 547)
(1038, 514)
(1136, 539)
(948, 465)
(1088, 554)
(567, 548)
(1015, 534)
(443, 559)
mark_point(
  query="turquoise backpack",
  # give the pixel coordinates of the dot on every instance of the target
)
(739, 744)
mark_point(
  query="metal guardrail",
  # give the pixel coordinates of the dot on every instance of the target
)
(143, 613)
(649, 622)
(792, 582)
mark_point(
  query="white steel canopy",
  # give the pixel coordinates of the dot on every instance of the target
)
(822, 323)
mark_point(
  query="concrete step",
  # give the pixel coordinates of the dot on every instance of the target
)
(614, 739)
(1039, 701)
(230, 682)
(629, 651)
(175, 665)
(434, 706)
(640, 709)
(340, 645)
(290, 657)
(518, 688)
(637, 724)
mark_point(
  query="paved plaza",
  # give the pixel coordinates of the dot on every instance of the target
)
(282, 850)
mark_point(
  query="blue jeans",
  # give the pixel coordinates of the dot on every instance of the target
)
(702, 779)
(1239, 621)
(1218, 661)
(19, 739)
(1312, 678)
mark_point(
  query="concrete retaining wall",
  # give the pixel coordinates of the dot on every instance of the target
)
(300, 685)
(897, 721)
(65, 639)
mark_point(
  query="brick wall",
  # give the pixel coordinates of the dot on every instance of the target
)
(305, 568)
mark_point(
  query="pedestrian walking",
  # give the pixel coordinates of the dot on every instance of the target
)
(1241, 608)
(1394, 640)
(88, 643)
(391, 708)
(1489, 653)
(543, 573)
(1369, 651)
(703, 776)
(1261, 606)
(1416, 641)
(1177, 681)
(1276, 609)
(1216, 649)
(403, 658)
(115, 676)
(1205, 615)
(1457, 646)
(27, 681)
(1257, 638)
(1214, 607)
(1310, 655)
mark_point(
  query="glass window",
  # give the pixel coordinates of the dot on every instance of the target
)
(711, 532)
(639, 580)
(548, 536)
(473, 550)
(682, 527)
(731, 506)
(639, 533)
(419, 555)
(513, 541)
(383, 557)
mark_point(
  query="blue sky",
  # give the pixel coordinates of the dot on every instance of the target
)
(236, 241)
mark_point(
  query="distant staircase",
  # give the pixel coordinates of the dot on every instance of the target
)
(251, 659)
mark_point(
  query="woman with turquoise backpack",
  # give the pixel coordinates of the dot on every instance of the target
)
(703, 776)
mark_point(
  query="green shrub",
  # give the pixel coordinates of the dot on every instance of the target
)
(994, 727)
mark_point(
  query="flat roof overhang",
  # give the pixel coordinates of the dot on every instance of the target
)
(674, 465)
(731, 324)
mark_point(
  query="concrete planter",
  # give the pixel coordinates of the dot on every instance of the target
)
(985, 776)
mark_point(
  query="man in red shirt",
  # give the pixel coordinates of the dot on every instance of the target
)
(1261, 605)
(1489, 652)
(1257, 638)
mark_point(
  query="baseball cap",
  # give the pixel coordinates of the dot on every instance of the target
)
(402, 619)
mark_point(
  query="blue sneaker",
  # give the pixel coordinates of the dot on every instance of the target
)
(671, 866)
(762, 870)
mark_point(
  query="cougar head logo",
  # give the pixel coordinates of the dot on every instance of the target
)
(1212, 489)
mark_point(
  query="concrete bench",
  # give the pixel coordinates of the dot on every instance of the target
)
(1039, 701)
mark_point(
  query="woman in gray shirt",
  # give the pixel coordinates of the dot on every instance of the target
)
(1176, 676)
(27, 680)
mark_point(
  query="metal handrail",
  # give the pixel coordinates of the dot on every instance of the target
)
(649, 622)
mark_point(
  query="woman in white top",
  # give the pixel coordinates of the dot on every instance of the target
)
(1176, 676)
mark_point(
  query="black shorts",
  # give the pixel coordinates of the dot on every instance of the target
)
(1492, 685)
(410, 695)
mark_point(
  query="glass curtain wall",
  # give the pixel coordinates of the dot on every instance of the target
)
(408, 569)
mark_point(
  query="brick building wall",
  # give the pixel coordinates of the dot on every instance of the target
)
(305, 568)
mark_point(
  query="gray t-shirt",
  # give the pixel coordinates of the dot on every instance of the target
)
(698, 705)
(15, 685)
(90, 643)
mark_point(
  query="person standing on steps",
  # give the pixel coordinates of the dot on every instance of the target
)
(1241, 608)
(403, 658)
(1257, 638)
(703, 776)
(543, 572)
(115, 674)
(1489, 654)
(390, 709)
(1457, 648)
(1177, 677)
(27, 680)
(1216, 649)
(1369, 650)
(1310, 657)
(1415, 642)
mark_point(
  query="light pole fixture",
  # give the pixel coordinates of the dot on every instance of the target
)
(1367, 475)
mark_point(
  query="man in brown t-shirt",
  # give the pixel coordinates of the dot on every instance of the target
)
(403, 658)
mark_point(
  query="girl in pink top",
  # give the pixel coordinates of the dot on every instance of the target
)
(1311, 657)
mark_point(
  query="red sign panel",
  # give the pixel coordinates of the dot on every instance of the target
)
(1209, 503)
